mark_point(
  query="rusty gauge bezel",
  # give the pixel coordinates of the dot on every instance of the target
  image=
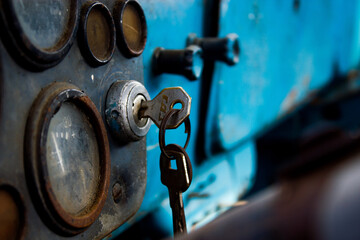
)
(23, 50)
(119, 10)
(43, 109)
(83, 37)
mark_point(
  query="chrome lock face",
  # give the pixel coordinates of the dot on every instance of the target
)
(123, 103)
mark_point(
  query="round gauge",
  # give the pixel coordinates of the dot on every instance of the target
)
(97, 39)
(12, 213)
(67, 157)
(39, 33)
(131, 27)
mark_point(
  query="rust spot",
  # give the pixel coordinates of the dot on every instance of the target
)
(352, 75)
(289, 103)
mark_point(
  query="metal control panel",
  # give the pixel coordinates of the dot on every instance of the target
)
(61, 170)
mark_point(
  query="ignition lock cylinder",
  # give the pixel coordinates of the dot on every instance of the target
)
(122, 103)
(128, 109)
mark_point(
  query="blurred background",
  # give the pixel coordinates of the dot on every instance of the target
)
(277, 127)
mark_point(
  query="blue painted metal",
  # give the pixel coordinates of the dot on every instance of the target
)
(288, 51)
(286, 54)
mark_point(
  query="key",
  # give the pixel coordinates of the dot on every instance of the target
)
(177, 182)
(157, 108)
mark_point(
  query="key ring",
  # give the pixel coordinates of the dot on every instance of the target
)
(163, 130)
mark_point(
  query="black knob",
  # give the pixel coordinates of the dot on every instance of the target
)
(225, 49)
(186, 62)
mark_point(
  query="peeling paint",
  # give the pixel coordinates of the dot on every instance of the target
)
(106, 221)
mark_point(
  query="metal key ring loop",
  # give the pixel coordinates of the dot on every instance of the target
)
(163, 130)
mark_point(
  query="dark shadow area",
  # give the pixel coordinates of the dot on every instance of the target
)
(309, 137)
(210, 29)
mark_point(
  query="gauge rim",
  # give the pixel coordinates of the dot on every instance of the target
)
(43, 109)
(86, 50)
(119, 9)
(22, 48)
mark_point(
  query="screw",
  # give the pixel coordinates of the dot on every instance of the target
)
(117, 192)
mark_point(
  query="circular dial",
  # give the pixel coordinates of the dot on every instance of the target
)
(131, 27)
(46, 20)
(67, 158)
(72, 157)
(97, 38)
(38, 33)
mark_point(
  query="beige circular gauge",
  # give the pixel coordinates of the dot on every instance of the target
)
(131, 27)
(97, 33)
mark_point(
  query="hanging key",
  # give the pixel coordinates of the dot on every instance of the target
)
(177, 181)
(129, 109)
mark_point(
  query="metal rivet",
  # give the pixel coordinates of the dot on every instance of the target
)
(117, 192)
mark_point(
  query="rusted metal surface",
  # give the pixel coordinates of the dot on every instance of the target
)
(128, 162)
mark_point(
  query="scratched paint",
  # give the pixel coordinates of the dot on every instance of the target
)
(286, 55)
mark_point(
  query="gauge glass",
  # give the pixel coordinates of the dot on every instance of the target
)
(132, 27)
(43, 22)
(72, 157)
(98, 34)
